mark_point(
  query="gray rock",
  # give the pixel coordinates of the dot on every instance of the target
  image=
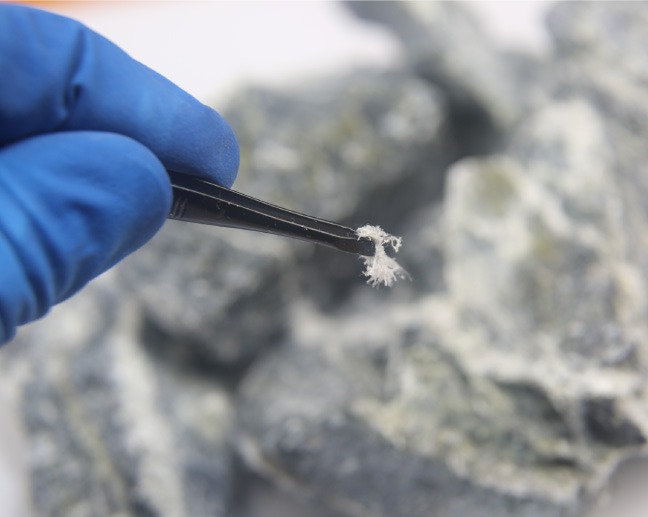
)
(610, 32)
(551, 229)
(374, 427)
(514, 392)
(325, 146)
(215, 292)
(259, 498)
(611, 72)
(334, 150)
(447, 46)
(109, 431)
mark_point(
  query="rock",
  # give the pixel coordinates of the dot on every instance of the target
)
(359, 420)
(334, 150)
(614, 33)
(448, 47)
(215, 292)
(611, 72)
(259, 498)
(109, 431)
(550, 227)
(513, 392)
(326, 146)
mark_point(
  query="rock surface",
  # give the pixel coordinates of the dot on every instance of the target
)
(516, 390)
(448, 47)
(110, 429)
(519, 388)
(507, 378)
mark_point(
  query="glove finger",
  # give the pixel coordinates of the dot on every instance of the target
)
(59, 75)
(67, 215)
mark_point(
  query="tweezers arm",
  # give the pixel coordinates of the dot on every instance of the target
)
(200, 201)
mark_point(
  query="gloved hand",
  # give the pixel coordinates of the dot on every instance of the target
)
(85, 135)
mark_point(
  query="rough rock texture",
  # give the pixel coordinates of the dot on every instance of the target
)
(512, 393)
(520, 388)
(507, 378)
(110, 429)
(447, 46)
(537, 242)
(611, 72)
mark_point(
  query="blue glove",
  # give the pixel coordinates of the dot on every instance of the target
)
(85, 135)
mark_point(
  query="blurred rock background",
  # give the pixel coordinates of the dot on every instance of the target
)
(219, 373)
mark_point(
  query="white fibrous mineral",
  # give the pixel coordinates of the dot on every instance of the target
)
(381, 268)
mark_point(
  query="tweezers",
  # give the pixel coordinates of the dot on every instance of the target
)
(199, 201)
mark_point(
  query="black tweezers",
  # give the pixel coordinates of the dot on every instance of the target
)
(199, 201)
